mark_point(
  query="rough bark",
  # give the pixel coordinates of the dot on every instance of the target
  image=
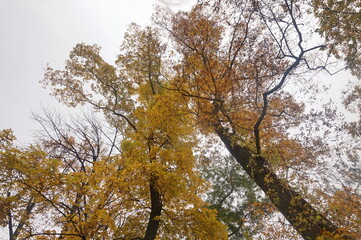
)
(155, 212)
(309, 223)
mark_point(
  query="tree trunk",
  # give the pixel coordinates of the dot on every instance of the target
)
(155, 212)
(309, 223)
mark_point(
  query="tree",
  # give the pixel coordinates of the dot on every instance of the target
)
(157, 160)
(234, 67)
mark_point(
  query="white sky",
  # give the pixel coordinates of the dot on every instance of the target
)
(36, 32)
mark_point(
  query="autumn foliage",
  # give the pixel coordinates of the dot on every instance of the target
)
(220, 77)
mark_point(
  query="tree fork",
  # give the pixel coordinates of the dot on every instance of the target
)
(308, 222)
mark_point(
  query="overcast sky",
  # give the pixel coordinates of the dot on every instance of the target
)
(37, 32)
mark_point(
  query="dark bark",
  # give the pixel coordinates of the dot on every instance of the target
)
(155, 212)
(309, 223)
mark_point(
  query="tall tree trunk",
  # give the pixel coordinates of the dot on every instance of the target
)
(309, 223)
(155, 212)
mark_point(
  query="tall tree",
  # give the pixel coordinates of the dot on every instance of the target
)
(235, 61)
(158, 164)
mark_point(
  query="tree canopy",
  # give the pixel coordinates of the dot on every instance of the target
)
(226, 76)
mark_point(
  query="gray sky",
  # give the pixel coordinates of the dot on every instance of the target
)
(36, 32)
